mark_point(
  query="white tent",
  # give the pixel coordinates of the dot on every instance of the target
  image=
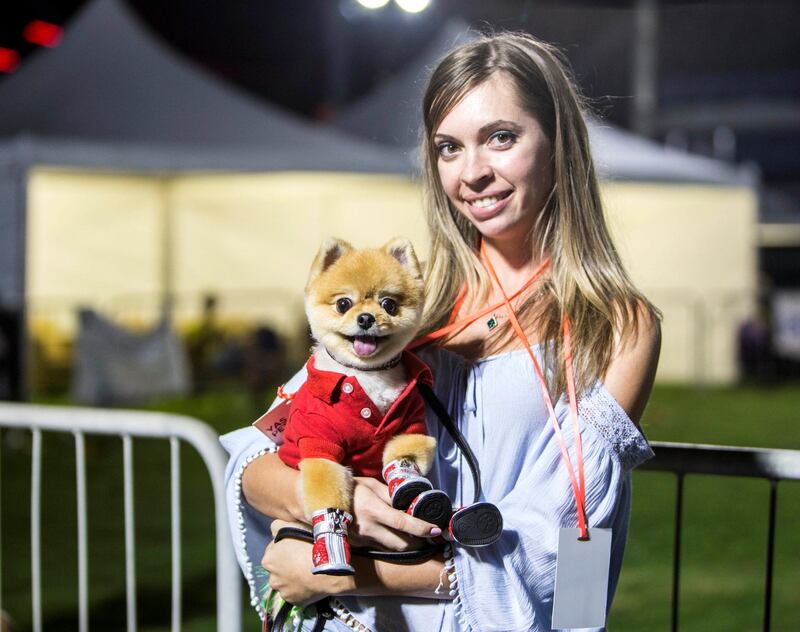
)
(685, 225)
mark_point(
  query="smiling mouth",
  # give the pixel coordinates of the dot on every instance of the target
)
(366, 346)
(489, 200)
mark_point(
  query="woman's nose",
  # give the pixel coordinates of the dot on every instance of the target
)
(477, 169)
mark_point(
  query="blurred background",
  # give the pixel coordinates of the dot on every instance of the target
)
(168, 170)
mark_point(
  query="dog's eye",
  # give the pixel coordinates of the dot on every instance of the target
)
(389, 306)
(343, 304)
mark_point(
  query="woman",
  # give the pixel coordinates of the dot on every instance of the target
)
(513, 203)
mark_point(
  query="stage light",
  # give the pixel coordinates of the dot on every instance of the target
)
(373, 4)
(9, 60)
(42, 33)
(413, 6)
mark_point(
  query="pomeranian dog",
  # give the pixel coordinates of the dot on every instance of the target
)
(359, 413)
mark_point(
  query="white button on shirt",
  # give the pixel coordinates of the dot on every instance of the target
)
(348, 388)
(366, 413)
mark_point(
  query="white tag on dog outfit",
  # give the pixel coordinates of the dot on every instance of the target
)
(273, 422)
(581, 589)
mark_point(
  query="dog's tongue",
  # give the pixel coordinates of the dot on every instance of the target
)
(365, 345)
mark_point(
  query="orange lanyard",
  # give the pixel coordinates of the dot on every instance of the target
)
(453, 326)
(577, 481)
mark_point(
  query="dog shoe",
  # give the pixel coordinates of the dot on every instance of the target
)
(405, 482)
(476, 525)
(432, 506)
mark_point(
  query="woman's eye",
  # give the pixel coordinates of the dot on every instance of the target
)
(446, 150)
(343, 304)
(389, 306)
(503, 138)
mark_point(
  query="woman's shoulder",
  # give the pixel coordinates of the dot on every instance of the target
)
(634, 360)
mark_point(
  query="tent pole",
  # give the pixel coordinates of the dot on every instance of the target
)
(645, 68)
(167, 271)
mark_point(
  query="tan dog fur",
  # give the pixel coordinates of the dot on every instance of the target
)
(325, 484)
(414, 447)
(366, 277)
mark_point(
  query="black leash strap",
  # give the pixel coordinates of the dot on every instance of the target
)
(418, 555)
(444, 417)
(324, 614)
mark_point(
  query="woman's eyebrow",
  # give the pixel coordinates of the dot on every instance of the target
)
(500, 124)
(485, 129)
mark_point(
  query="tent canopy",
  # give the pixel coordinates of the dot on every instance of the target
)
(618, 154)
(113, 95)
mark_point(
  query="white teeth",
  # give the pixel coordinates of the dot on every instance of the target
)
(485, 202)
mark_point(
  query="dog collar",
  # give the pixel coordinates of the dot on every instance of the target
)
(386, 365)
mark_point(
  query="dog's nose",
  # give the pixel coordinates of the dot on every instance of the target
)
(365, 321)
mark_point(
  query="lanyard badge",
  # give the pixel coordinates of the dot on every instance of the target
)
(582, 566)
(581, 587)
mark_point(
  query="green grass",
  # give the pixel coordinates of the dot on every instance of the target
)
(724, 536)
(725, 519)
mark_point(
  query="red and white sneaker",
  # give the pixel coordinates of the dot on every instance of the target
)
(331, 552)
(480, 524)
(405, 482)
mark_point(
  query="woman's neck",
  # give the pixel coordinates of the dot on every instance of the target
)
(513, 262)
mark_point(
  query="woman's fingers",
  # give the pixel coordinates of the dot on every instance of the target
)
(375, 486)
(279, 524)
(382, 538)
(276, 526)
(377, 522)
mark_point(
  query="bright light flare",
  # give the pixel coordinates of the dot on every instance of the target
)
(9, 60)
(42, 33)
(373, 4)
(413, 6)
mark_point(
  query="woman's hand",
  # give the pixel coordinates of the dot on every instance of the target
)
(289, 565)
(377, 524)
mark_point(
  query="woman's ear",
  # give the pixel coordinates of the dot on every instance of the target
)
(329, 253)
(400, 248)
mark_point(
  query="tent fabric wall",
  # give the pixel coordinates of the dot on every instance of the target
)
(245, 231)
(251, 238)
(121, 243)
(92, 236)
(669, 237)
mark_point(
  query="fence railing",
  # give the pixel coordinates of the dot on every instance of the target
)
(127, 425)
(680, 459)
(683, 458)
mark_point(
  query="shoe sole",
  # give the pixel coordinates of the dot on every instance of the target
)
(330, 569)
(476, 525)
(405, 494)
(433, 506)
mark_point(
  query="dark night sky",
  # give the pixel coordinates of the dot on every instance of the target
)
(307, 55)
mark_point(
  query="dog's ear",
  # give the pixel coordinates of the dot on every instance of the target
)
(401, 249)
(329, 253)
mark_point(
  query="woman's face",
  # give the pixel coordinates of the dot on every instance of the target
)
(495, 161)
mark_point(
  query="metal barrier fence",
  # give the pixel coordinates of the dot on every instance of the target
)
(770, 465)
(129, 424)
(680, 459)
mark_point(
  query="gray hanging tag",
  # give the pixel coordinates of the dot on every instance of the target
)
(581, 589)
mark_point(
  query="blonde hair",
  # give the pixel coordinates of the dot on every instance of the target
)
(586, 279)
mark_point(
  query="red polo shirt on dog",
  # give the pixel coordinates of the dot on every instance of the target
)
(333, 418)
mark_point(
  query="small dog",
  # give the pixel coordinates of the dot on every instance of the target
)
(359, 413)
